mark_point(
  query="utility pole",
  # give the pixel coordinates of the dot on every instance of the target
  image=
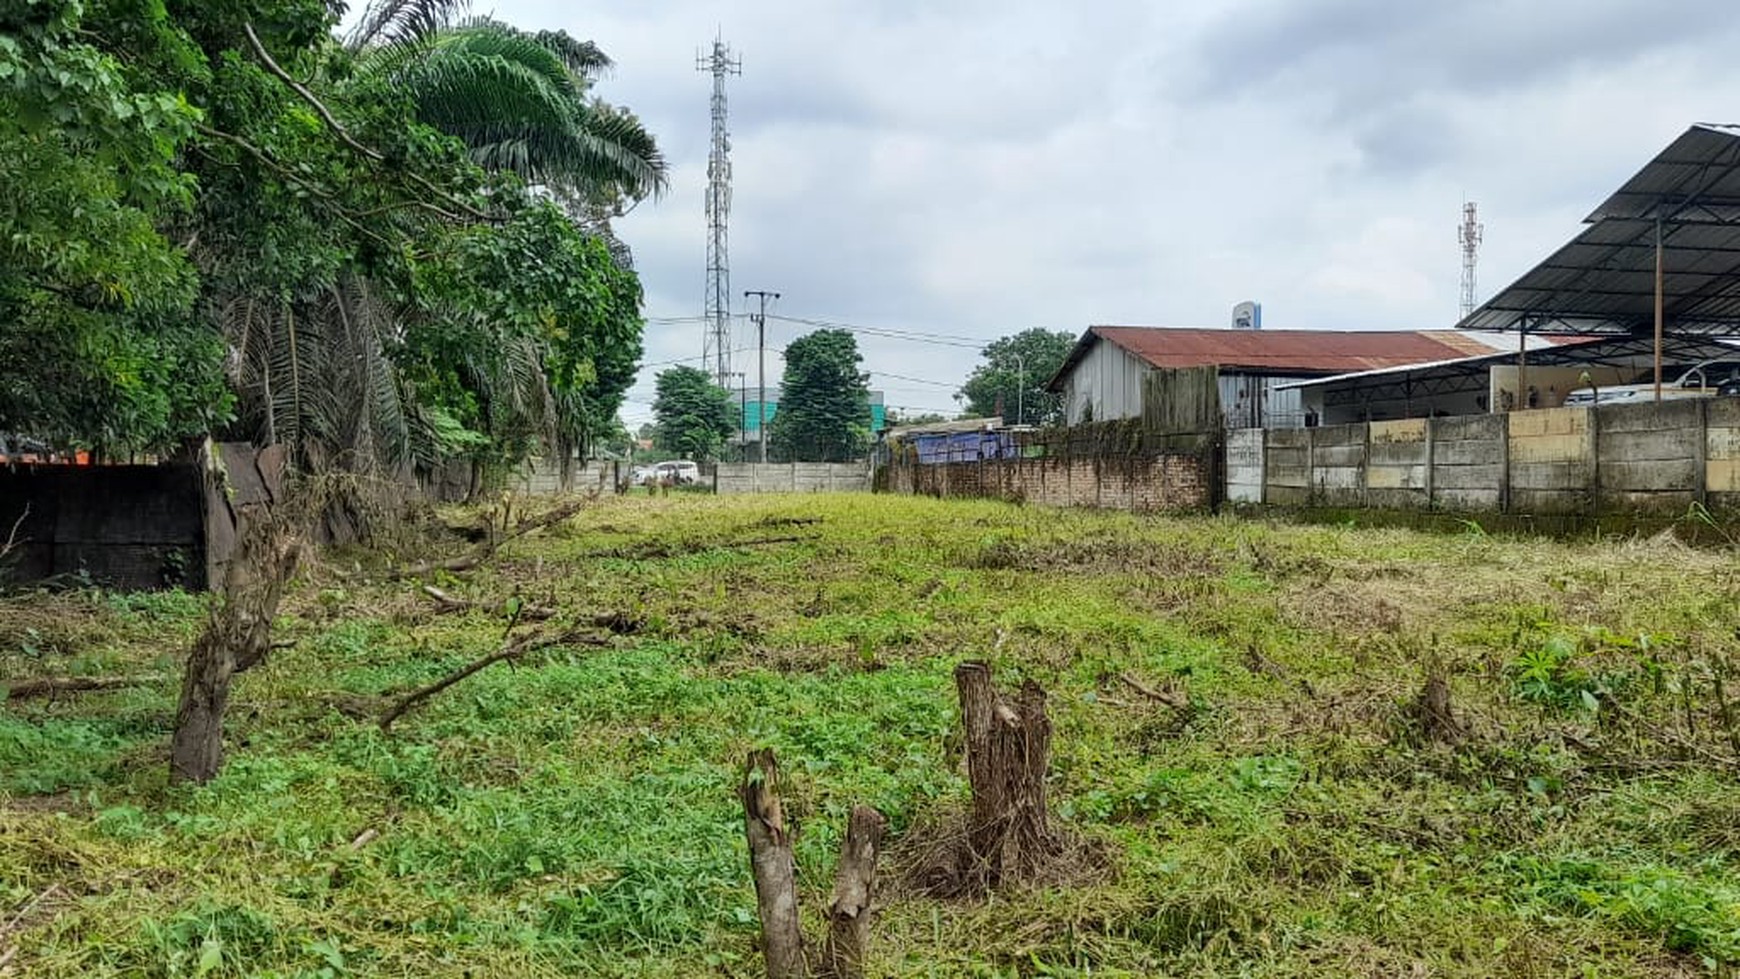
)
(716, 335)
(761, 345)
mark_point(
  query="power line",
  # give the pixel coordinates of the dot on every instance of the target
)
(916, 336)
(915, 380)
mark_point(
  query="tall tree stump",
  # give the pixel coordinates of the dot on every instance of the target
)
(770, 859)
(854, 881)
(1008, 751)
(236, 637)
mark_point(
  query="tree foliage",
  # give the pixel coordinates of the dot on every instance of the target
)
(694, 415)
(1011, 381)
(824, 407)
(220, 218)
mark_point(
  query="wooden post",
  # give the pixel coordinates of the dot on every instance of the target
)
(771, 861)
(854, 881)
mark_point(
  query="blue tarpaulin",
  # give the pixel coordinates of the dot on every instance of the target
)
(966, 447)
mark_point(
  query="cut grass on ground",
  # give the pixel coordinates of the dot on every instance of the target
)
(574, 814)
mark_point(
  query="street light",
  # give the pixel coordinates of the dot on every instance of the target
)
(1020, 385)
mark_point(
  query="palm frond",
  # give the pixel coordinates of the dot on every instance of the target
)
(391, 22)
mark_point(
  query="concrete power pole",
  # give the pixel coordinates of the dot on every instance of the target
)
(761, 346)
(716, 336)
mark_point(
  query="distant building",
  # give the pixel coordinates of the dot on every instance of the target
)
(750, 414)
(1101, 379)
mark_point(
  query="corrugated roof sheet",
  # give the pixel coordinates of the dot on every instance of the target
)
(1287, 351)
(1603, 280)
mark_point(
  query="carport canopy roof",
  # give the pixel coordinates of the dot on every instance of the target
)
(1603, 280)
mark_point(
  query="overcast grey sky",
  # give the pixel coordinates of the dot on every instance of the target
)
(974, 168)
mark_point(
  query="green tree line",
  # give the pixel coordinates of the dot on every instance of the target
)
(381, 250)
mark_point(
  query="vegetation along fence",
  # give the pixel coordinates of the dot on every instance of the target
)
(1622, 459)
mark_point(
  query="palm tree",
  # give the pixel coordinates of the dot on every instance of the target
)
(519, 100)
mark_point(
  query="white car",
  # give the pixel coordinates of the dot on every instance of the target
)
(679, 472)
(1705, 380)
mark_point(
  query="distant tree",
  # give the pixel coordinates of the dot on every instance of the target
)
(694, 414)
(898, 417)
(824, 408)
(1014, 372)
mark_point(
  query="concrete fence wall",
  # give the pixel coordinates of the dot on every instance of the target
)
(1647, 458)
(791, 477)
(1171, 481)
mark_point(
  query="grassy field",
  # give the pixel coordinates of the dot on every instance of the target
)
(574, 815)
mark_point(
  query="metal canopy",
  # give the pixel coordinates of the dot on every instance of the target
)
(1603, 281)
(1471, 373)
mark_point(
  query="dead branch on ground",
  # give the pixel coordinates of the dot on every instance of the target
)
(1180, 701)
(53, 686)
(486, 549)
(662, 549)
(446, 603)
(511, 651)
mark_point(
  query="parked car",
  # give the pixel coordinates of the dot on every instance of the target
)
(1706, 380)
(641, 476)
(680, 472)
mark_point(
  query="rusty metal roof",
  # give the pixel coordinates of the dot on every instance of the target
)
(1292, 353)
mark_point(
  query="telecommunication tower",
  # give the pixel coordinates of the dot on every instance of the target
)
(716, 339)
(1469, 235)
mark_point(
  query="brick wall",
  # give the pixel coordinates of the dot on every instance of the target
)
(1115, 465)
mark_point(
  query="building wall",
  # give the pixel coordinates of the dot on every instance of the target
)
(1105, 386)
(1251, 401)
(1651, 458)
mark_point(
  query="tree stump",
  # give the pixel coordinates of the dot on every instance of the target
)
(770, 860)
(236, 637)
(1008, 752)
(854, 881)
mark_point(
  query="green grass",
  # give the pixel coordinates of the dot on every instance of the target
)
(575, 816)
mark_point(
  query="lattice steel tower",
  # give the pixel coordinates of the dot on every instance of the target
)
(716, 340)
(1469, 235)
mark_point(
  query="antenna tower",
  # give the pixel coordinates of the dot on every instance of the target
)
(716, 339)
(1469, 235)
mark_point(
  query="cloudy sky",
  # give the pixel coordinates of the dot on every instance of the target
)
(972, 168)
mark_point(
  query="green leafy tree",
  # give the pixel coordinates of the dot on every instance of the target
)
(824, 408)
(1011, 381)
(695, 416)
(898, 417)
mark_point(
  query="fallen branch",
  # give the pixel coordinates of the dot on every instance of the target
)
(512, 651)
(1167, 697)
(445, 603)
(18, 919)
(56, 685)
(485, 550)
(661, 549)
